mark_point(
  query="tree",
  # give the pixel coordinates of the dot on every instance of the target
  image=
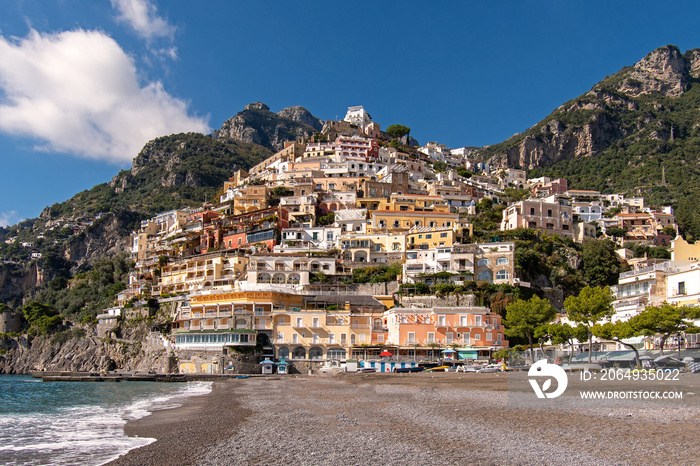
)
(601, 265)
(523, 318)
(439, 167)
(42, 318)
(563, 334)
(398, 131)
(616, 331)
(615, 232)
(665, 320)
(590, 306)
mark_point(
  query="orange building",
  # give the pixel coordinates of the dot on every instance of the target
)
(473, 331)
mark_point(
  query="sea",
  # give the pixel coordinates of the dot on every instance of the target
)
(78, 423)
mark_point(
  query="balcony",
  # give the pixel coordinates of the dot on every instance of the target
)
(359, 326)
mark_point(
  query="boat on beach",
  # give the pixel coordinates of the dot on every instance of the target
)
(409, 369)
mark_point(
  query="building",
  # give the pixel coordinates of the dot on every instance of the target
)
(285, 271)
(474, 331)
(398, 220)
(326, 327)
(646, 227)
(487, 262)
(643, 286)
(377, 247)
(554, 218)
(359, 117)
(218, 322)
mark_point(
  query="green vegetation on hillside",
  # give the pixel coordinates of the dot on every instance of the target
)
(172, 172)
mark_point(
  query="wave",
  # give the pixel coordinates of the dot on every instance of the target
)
(91, 433)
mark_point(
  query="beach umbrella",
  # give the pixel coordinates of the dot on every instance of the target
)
(385, 353)
(449, 350)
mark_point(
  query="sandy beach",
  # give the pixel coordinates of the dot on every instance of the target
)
(430, 419)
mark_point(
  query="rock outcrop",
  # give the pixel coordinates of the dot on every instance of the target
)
(257, 124)
(84, 354)
(608, 113)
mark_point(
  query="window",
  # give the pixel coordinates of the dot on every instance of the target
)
(428, 236)
(565, 227)
(431, 337)
(484, 262)
(477, 337)
(502, 275)
(463, 321)
(488, 337)
(443, 235)
(477, 320)
(300, 322)
(681, 287)
(549, 212)
(466, 338)
(532, 211)
(411, 338)
(502, 261)
(441, 321)
(484, 276)
(295, 338)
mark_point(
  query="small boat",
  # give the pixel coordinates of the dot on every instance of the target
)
(438, 369)
(409, 369)
(242, 376)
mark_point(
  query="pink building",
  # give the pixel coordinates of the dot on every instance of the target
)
(474, 331)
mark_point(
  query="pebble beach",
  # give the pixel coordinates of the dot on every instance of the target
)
(399, 419)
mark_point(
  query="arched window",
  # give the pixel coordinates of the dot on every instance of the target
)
(283, 352)
(502, 261)
(315, 353)
(299, 353)
(502, 275)
(483, 262)
(240, 323)
(485, 276)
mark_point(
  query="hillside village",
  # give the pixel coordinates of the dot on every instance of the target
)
(322, 250)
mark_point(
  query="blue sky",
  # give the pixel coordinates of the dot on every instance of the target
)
(84, 84)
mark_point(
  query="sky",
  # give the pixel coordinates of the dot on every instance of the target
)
(84, 84)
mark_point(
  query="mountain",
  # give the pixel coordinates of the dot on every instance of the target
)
(170, 172)
(257, 124)
(637, 132)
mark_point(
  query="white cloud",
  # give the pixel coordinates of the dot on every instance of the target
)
(8, 218)
(78, 92)
(142, 16)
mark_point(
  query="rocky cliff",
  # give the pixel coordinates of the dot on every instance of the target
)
(88, 353)
(257, 124)
(615, 109)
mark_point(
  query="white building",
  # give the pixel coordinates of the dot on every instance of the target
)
(358, 116)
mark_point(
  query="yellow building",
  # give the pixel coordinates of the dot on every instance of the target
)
(250, 199)
(373, 247)
(405, 220)
(430, 238)
(415, 203)
(327, 327)
(681, 250)
(201, 272)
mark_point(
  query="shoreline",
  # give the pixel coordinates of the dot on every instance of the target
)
(422, 419)
(182, 433)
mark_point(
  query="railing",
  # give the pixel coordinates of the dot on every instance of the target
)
(359, 326)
